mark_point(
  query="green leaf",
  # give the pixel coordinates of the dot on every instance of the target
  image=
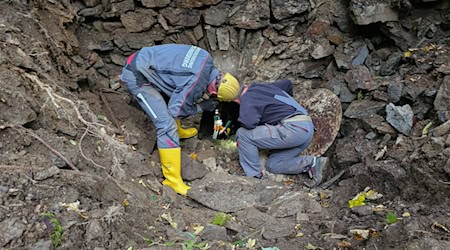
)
(391, 218)
(169, 243)
(426, 129)
(148, 241)
(239, 243)
(130, 248)
(220, 219)
(200, 245)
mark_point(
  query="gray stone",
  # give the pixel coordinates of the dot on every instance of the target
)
(169, 196)
(362, 210)
(402, 37)
(43, 245)
(212, 38)
(360, 78)
(155, 3)
(216, 15)
(273, 228)
(191, 169)
(371, 135)
(223, 38)
(181, 17)
(189, 4)
(218, 191)
(401, 118)
(252, 14)
(213, 232)
(91, 3)
(365, 12)
(10, 229)
(111, 26)
(350, 54)
(447, 167)
(117, 59)
(138, 21)
(162, 21)
(288, 204)
(360, 56)
(322, 49)
(282, 9)
(441, 129)
(363, 108)
(442, 101)
(390, 172)
(391, 65)
(91, 12)
(47, 173)
(127, 41)
(427, 243)
(301, 217)
(94, 230)
(118, 8)
(394, 92)
(198, 32)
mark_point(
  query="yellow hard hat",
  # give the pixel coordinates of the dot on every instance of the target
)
(228, 88)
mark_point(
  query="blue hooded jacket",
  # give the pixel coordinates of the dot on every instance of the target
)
(182, 72)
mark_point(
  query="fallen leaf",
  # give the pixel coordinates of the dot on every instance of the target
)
(142, 182)
(125, 203)
(426, 129)
(312, 247)
(344, 244)
(407, 54)
(372, 195)
(250, 243)
(360, 234)
(73, 142)
(169, 219)
(357, 201)
(391, 218)
(406, 214)
(440, 226)
(198, 229)
(379, 208)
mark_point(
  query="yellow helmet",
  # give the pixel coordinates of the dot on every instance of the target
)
(228, 89)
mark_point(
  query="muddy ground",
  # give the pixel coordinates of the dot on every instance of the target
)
(78, 167)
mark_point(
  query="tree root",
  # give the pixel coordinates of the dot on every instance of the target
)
(31, 133)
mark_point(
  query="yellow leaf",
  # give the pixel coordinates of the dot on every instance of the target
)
(125, 203)
(299, 235)
(407, 54)
(406, 214)
(357, 201)
(198, 229)
(142, 182)
(250, 243)
(372, 195)
(194, 156)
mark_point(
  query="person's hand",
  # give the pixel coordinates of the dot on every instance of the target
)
(208, 105)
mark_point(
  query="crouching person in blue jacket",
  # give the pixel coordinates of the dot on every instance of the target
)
(182, 73)
(272, 119)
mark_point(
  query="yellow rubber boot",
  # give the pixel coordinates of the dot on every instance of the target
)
(185, 133)
(171, 169)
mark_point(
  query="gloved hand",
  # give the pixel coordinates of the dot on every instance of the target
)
(207, 105)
